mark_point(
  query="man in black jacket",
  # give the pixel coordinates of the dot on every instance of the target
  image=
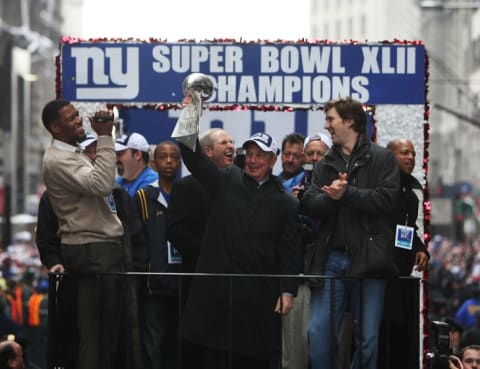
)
(353, 195)
(190, 203)
(400, 327)
(253, 229)
(187, 215)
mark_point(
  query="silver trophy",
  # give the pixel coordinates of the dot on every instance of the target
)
(200, 88)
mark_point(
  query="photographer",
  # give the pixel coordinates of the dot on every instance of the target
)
(294, 325)
(470, 358)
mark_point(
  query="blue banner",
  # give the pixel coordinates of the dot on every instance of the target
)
(247, 74)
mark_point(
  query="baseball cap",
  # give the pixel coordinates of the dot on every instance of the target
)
(132, 141)
(87, 141)
(317, 137)
(265, 142)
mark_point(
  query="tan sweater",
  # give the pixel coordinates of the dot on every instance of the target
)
(79, 191)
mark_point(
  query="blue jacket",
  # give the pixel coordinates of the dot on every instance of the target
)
(148, 176)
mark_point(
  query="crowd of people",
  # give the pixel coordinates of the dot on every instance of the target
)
(116, 205)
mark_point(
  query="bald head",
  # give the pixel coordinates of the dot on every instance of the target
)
(404, 153)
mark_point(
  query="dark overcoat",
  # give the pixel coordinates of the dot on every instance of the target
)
(250, 231)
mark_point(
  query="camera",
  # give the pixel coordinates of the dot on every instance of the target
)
(440, 351)
(102, 118)
(239, 159)
(307, 170)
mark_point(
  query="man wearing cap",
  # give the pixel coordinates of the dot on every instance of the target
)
(253, 228)
(132, 163)
(316, 146)
(353, 197)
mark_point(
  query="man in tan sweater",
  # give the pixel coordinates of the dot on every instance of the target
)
(92, 241)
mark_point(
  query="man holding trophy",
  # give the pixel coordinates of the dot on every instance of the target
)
(253, 229)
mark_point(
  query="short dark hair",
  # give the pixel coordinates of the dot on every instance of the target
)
(469, 347)
(293, 138)
(166, 142)
(50, 112)
(6, 353)
(349, 108)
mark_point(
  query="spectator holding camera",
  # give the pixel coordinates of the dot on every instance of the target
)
(294, 325)
(469, 358)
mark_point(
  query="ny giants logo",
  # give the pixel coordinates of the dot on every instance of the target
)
(112, 76)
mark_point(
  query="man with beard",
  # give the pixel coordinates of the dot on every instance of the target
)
(132, 163)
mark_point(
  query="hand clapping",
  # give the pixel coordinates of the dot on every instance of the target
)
(337, 188)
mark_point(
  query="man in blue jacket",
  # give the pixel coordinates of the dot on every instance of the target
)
(353, 196)
(132, 163)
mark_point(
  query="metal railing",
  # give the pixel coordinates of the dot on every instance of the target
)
(62, 317)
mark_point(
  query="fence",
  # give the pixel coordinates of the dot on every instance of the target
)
(62, 321)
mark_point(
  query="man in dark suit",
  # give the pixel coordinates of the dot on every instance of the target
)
(187, 215)
(399, 348)
(189, 205)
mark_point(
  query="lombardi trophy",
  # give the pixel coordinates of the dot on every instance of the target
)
(200, 88)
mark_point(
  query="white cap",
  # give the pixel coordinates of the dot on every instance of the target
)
(132, 141)
(265, 142)
(87, 141)
(317, 137)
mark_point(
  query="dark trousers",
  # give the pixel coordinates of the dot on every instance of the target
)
(101, 303)
(399, 332)
(159, 331)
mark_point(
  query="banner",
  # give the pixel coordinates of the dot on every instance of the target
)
(244, 73)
